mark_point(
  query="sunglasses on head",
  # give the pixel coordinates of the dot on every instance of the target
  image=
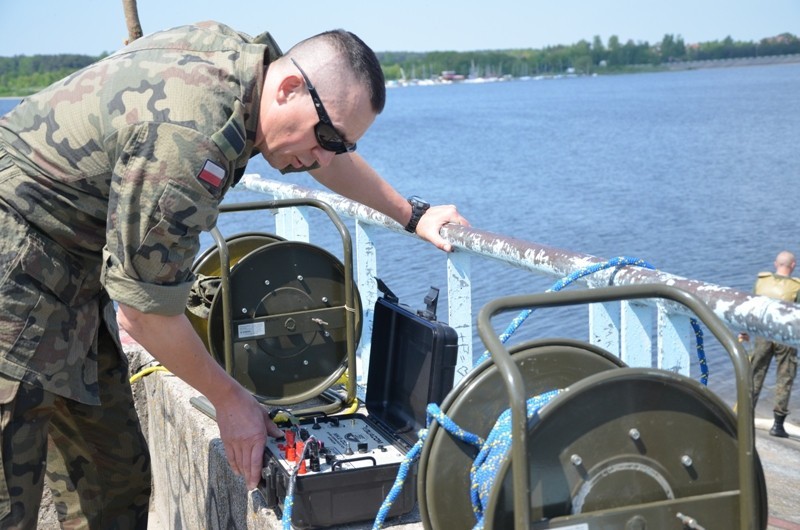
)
(327, 136)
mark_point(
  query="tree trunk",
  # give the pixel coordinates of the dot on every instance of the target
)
(132, 20)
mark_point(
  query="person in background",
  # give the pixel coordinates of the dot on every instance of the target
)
(782, 286)
(107, 179)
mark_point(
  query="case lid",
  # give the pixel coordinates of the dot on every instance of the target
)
(412, 363)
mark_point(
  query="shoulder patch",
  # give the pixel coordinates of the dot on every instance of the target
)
(764, 274)
(212, 174)
(231, 138)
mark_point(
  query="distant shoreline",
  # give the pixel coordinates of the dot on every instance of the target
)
(664, 67)
(726, 63)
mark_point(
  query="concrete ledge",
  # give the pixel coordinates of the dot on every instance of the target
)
(193, 486)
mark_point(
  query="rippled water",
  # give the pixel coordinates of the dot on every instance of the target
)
(693, 171)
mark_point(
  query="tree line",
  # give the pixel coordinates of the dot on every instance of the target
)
(21, 75)
(24, 74)
(583, 57)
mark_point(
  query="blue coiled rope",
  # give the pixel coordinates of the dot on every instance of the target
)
(433, 413)
(495, 449)
(701, 352)
(494, 452)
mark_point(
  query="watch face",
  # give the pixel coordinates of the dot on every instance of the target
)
(416, 202)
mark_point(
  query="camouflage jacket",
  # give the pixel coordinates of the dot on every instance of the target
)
(107, 179)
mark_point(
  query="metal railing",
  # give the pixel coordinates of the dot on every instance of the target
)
(623, 328)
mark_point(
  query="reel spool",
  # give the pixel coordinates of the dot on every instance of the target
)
(619, 448)
(626, 446)
(289, 317)
(475, 404)
(209, 264)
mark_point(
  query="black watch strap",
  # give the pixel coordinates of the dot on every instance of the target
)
(418, 209)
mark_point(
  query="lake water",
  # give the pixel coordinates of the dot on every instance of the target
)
(692, 171)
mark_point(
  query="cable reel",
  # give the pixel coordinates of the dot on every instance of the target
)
(475, 403)
(280, 320)
(619, 447)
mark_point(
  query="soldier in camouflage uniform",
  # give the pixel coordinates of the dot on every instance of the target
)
(107, 179)
(779, 285)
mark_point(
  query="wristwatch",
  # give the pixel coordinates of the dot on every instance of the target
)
(418, 208)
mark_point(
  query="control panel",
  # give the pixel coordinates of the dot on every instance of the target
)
(332, 443)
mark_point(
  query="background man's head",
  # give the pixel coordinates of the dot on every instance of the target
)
(784, 263)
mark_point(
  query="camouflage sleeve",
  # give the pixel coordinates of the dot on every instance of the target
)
(166, 186)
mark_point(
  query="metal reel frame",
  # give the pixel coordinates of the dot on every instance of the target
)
(209, 264)
(336, 402)
(607, 450)
(749, 504)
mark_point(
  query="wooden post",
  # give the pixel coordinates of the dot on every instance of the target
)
(132, 20)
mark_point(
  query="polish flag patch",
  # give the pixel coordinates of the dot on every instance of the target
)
(212, 174)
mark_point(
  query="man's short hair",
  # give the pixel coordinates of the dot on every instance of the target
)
(362, 61)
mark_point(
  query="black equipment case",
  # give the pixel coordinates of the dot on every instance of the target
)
(354, 458)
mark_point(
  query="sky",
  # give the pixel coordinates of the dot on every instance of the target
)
(91, 27)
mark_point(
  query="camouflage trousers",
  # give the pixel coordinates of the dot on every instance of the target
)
(96, 457)
(786, 358)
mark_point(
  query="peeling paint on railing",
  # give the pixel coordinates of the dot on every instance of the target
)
(741, 311)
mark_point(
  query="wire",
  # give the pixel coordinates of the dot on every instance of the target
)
(492, 452)
(288, 501)
(135, 377)
(433, 413)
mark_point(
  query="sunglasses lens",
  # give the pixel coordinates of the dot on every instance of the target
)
(330, 140)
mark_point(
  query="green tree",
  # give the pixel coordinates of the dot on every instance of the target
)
(598, 50)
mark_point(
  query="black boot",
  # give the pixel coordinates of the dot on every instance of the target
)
(777, 427)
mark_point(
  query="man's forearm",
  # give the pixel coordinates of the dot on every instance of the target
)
(352, 177)
(172, 341)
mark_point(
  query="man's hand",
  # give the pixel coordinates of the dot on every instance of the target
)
(243, 422)
(243, 426)
(434, 219)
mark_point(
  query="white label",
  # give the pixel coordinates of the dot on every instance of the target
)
(254, 329)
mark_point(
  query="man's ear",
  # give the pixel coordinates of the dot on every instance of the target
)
(291, 85)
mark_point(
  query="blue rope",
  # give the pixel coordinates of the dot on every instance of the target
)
(701, 352)
(397, 487)
(494, 452)
(491, 454)
(619, 261)
(433, 413)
